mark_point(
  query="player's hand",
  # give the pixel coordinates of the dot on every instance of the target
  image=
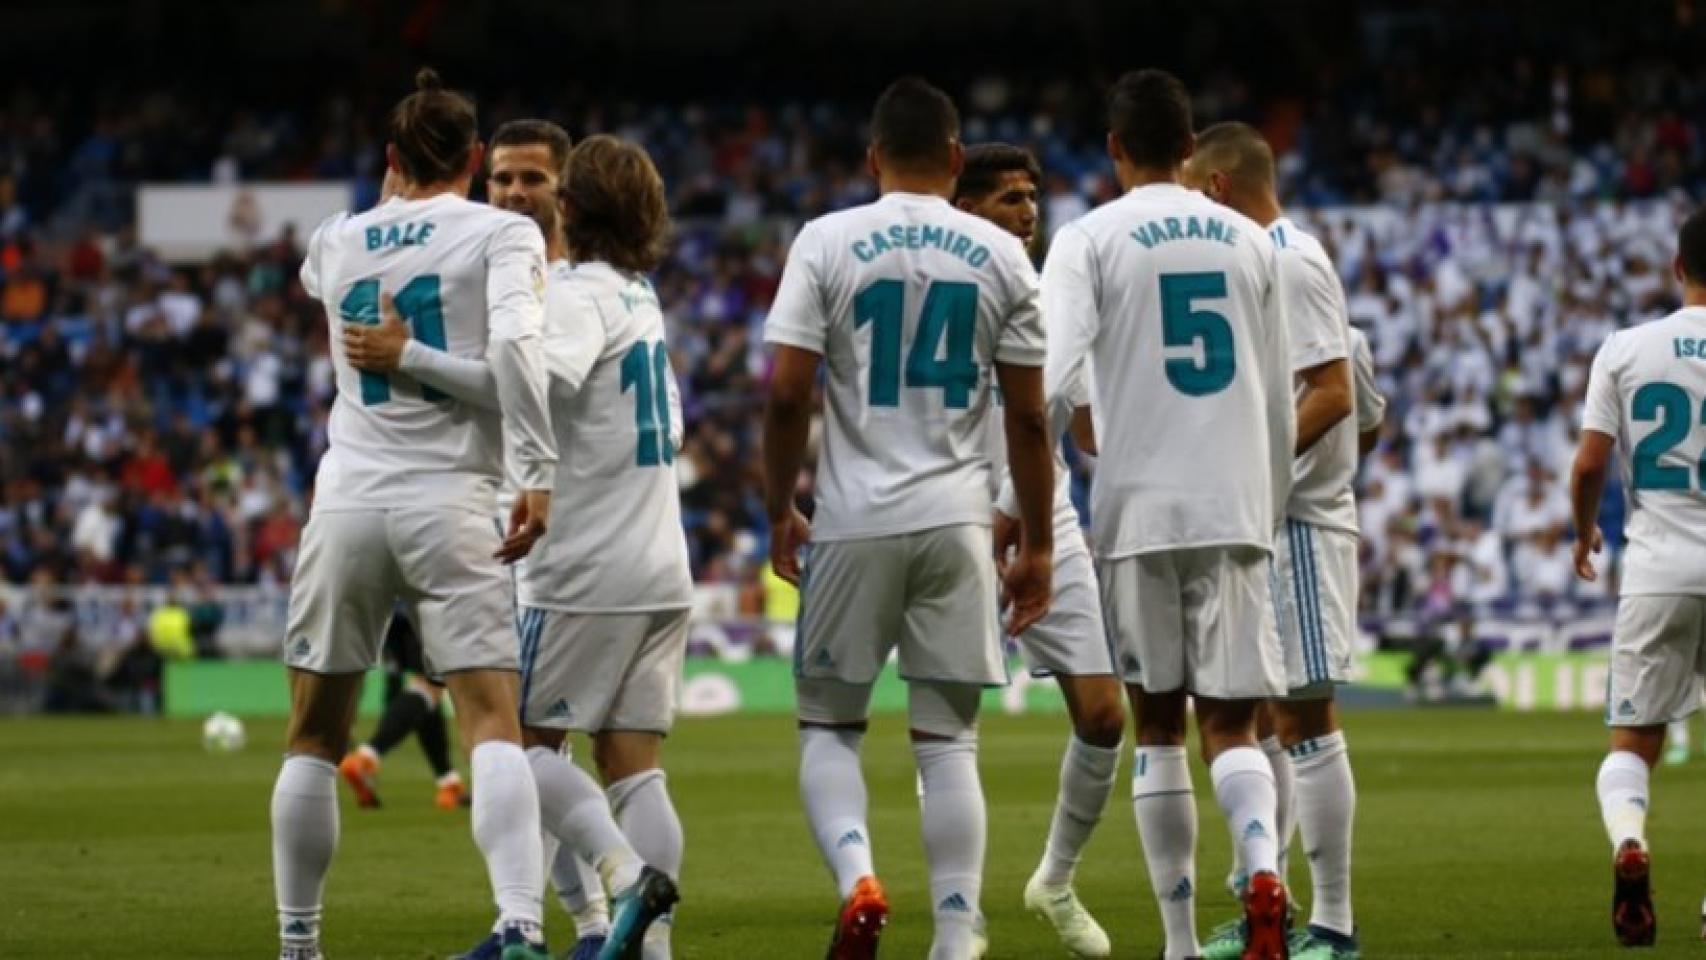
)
(1026, 589)
(526, 524)
(787, 536)
(1590, 543)
(377, 348)
(1005, 531)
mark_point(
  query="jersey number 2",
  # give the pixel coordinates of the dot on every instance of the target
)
(422, 310)
(1669, 404)
(941, 354)
(645, 370)
(1184, 324)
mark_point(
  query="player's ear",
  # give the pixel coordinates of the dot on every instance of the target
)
(872, 165)
(1676, 268)
(476, 159)
(391, 161)
(956, 157)
(1190, 147)
(1116, 152)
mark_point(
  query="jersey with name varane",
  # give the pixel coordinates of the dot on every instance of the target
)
(910, 302)
(615, 542)
(469, 280)
(1068, 535)
(1319, 325)
(1178, 305)
(1647, 390)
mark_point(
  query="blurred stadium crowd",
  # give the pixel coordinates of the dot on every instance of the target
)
(161, 423)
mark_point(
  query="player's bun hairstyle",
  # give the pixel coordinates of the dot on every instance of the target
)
(1691, 247)
(914, 125)
(986, 162)
(616, 207)
(434, 130)
(1239, 150)
(1149, 113)
(526, 133)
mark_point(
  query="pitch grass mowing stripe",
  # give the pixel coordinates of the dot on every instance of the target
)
(1478, 836)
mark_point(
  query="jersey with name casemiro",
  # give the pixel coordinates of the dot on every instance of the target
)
(615, 542)
(1178, 304)
(1647, 390)
(469, 280)
(910, 302)
(1319, 326)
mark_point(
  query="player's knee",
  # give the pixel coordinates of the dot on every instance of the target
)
(832, 703)
(542, 737)
(1100, 725)
(943, 711)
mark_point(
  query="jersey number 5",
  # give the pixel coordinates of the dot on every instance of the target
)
(422, 310)
(645, 370)
(950, 315)
(1184, 324)
(1669, 404)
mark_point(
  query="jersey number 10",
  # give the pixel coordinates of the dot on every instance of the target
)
(950, 315)
(422, 310)
(1670, 405)
(645, 370)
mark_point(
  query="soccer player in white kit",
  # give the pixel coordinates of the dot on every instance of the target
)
(1315, 557)
(1000, 183)
(1177, 305)
(907, 303)
(1646, 394)
(403, 509)
(606, 594)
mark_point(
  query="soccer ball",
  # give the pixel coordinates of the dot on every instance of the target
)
(222, 733)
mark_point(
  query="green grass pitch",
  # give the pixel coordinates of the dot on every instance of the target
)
(1478, 836)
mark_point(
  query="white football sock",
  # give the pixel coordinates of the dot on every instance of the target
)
(954, 821)
(304, 837)
(1285, 814)
(506, 829)
(647, 816)
(832, 789)
(573, 808)
(1086, 779)
(1244, 787)
(1326, 811)
(1623, 797)
(1166, 813)
(580, 891)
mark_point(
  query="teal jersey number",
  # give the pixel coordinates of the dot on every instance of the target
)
(645, 370)
(1670, 406)
(422, 309)
(1184, 324)
(941, 353)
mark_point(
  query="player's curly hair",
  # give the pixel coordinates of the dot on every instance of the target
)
(986, 162)
(614, 205)
(434, 131)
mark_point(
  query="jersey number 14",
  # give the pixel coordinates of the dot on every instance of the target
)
(941, 352)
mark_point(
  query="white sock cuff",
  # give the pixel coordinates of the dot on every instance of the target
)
(1159, 770)
(1272, 746)
(494, 755)
(537, 753)
(1318, 749)
(1241, 760)
(931, 752)
(847, 737)
(306, 772)
(1624, 765)
(620, 791)
(1094, 755)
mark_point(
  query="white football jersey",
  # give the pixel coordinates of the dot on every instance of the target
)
(1647, 391)
(1178, 304)
(1370, 409)
(469, 280)
(909, 301)
(1068, 535)
(1319, 325)
(614, 543)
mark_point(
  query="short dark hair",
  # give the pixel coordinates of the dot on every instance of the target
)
(434, 130)
(1149, 113)
(913, 124)
(616, 207)
(986, 162)
(1691, 247)
(526, 133)
(1238, 149)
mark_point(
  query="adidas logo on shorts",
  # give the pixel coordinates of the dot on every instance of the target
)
(559, 711)
(823, 659)
(1626, 708)
(300, 648)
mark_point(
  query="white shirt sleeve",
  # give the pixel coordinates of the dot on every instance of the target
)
(311, 266)
(1277, 377)
(465, 378)
(574, 335)
(797, 316)
(1370, 405)
(1314, 311)
(1603, 408)
(677, 426)
(515, 287)
(1070, 313)
(1022, 340)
